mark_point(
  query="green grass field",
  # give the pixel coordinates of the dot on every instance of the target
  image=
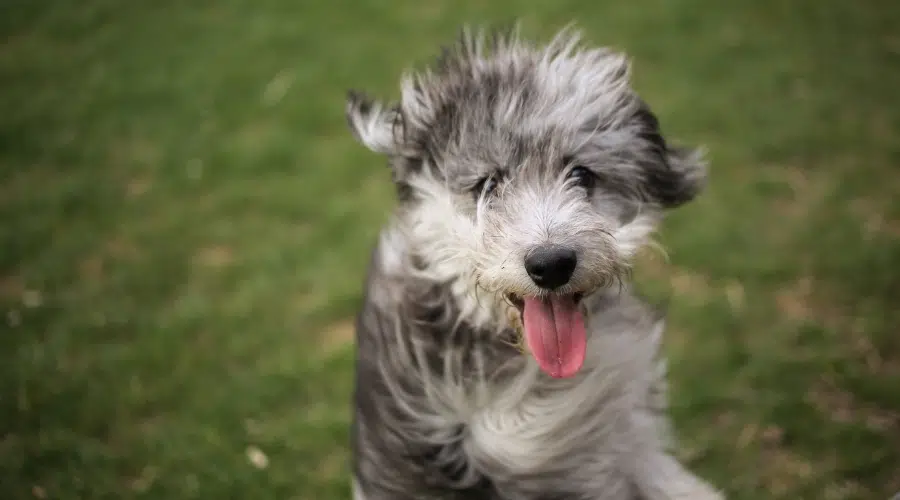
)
(186, 221)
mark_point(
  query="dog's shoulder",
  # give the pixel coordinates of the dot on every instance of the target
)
(417, 368)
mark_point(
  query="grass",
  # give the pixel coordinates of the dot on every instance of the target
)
(186, 222)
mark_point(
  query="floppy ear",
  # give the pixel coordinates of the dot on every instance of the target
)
(687, 177)
(372, 124)
(678, 174)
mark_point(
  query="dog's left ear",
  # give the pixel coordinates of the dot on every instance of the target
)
(372, 124)
(678, 174)
(685, 177)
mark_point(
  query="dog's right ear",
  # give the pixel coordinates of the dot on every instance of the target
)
(372, 124)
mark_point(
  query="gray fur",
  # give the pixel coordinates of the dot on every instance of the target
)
(445, 406)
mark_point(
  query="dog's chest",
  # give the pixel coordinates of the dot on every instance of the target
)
(532, 431)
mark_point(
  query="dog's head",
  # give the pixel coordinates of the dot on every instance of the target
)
(531, 172)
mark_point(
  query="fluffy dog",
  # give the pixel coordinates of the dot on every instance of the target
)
(500, 351)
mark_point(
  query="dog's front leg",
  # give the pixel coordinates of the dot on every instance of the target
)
(659, 476)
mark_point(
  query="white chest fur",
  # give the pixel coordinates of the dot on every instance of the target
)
(534, 422)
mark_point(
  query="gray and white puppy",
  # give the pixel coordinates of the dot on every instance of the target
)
(527, 177)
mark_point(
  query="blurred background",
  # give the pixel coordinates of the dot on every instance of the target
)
(186, 222)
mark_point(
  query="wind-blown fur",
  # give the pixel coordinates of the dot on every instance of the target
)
(482, 148)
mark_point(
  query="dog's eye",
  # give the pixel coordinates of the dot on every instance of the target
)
(583, 177)
(485, 186)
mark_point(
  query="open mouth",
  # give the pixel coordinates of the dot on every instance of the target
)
(554, 331)
(519, 302)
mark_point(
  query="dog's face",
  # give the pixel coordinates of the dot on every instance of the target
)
(531, 173)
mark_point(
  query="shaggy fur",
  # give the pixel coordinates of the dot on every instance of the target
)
(484, 148)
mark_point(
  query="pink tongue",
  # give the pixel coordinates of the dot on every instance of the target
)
(554, 331)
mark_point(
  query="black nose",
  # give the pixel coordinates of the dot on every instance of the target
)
(550, 266)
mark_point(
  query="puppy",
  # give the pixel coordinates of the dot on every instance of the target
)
(500, 351)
